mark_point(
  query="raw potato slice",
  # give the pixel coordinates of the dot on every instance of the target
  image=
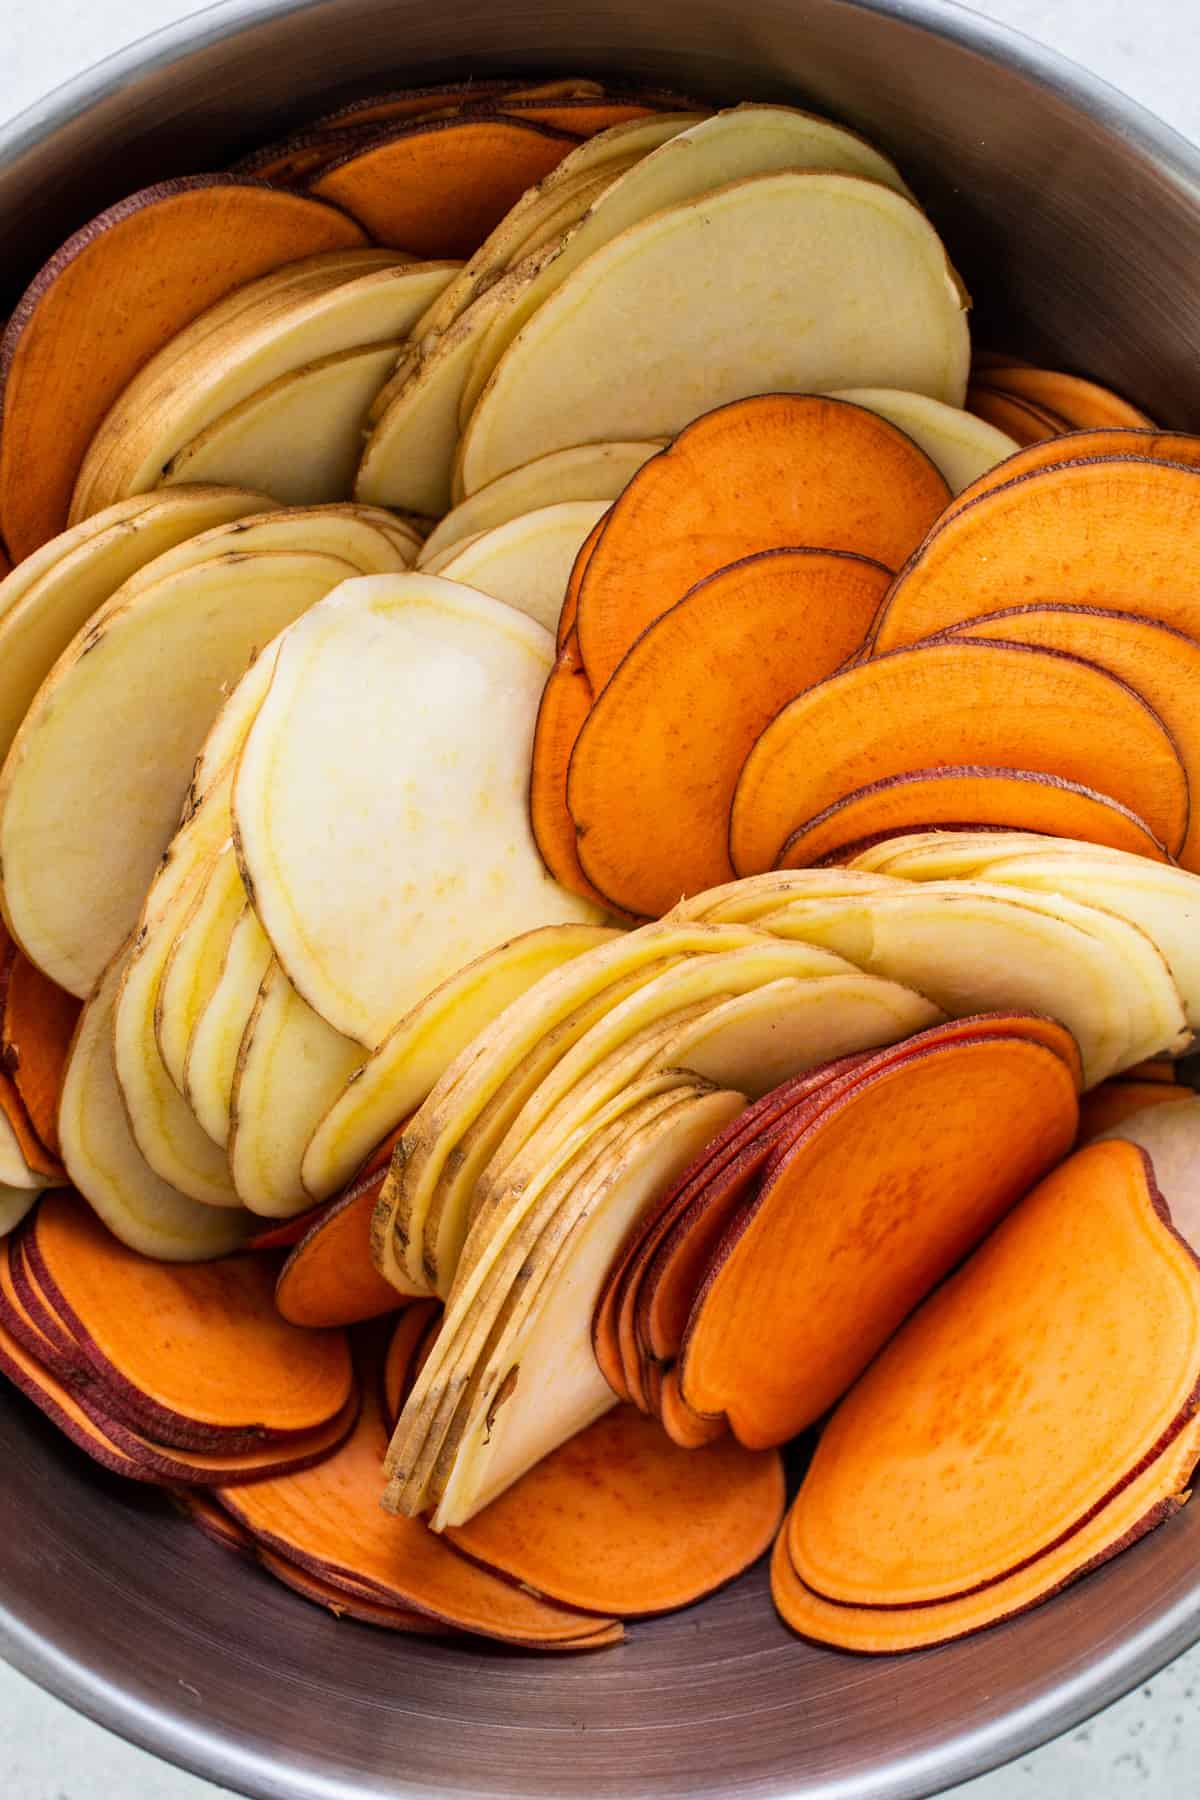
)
(15, 1203)
(216, 364)
(39, 617)
(291, 1066)
(585, 472)
(1171, 1143)
(368, 544)
(437, 563)
(993, 1490)
(39, 1021)
(953, 797)
(654, 825)
(196, 958)
(438, 189)
(945, 855)
(107, 1167)
(102, 305)
(802, 254)
(528, 561)
(398, 1077)
(399, 662)
(1073, 519)
(211, 1062)
(563, 710)
(618, 1520)
(1159, 663)
(774, 470)
(743, 141)
(98, 770)
(416, 1327)
(301, 434)
(16, 1150)
(962, 446)
(1106, 1109)
(798, 1300)
(1000, 705)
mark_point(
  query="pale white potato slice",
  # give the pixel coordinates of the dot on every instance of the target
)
(97, 773)
(211, 1062)
(950, 855)
(196, 958)
(14, 1170)
(41, 613)
(742, 141)
(394, 741)
(399, 1075)
(15, 1202)
(193, 380)
(368, 544)
(290, 1068)
(584, 472)
(302, 433)
(528, 562)
(750, 898)
(106, 1165)
(441, 558)
(808, 280)
(407, 532)
(956, 442)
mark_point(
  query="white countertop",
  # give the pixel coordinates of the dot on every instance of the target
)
(1148, 1744)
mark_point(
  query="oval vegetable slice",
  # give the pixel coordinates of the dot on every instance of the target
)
(563, 710)
(527, 561)
(962, 446)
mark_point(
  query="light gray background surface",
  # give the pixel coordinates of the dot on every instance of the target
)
(1148, 1744)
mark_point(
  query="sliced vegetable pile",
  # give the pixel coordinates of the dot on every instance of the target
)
(598, 874)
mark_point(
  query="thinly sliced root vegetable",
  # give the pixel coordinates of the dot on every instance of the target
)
(109, 299)
(410, 1338)
(102, 1158)
(196, 957)
(998, 705)
(1018, 419)
(438, 189)
(216, 1524)
(584, 472)
(1008, 799)
(289, 1232)
(792, 246)
(775, 470)
(1072, 1397)
(39, 1020)
(210, 1066)
(962, 446)
(527, 562)
(291, 1067)
(329, 1278)
(204, 1344)
(15, 1204)
(1074, 519)
(369, 540)
(948, 855)
(98, 770)
(655, 765)
(1156, 1068)
(1084, 405)
(1158, 662)
(343, 1602)
(400, 1075)
(566, 702)
(331, 1525)
(24, 1159)
(798, 1298)
(1170, 1136)
(618, 1520)
(567, 619)
(395, 660)
(39, 617)
(1109, 1105)
(1082, 446)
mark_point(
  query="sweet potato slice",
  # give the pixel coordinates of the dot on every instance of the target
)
(329, 1278)
(1082, 446)
(1156, 1068)
(1081, 404)
(570, 606)
(1170, 1136)
(1113, 1102)
(771, 471)
(438, 189)
(406, 1349)
(798, 1298)
(203, 1343)
(998, 705)
(1020, 419)
(564, 707)
(618, 1520)
(113, 295)
(204, 1513)
(654, 825)
(1010, 799)
(24, 1159)
(1072, 1395)
(331, 1525)
(343, 1602)
(1062, 535)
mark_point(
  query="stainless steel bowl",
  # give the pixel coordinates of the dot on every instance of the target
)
(1076, 219)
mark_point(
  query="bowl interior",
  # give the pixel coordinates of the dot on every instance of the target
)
(1076, 221)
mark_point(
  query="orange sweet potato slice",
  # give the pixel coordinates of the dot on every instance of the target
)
(1116, 531)
(201, 1341)
(689, 1430)
(856, 1220)
(329, 1278)
(760, 474)
(35, 1153)
(565, 704)
(619, 1520)
(570, 605)
(407, 1346)
(289, 1231)
(438, 189)
(997, 705)
(693, 695)
(1060, 1361)
(1009, 799)
(345, 1603)
(1158, 1068)
(1022, 420)
(1158, 662)
(330, 1523)
(212, 1520)
(1081, 404)
(1114, 1101)
(114, 294)
(1081, 446)
(580, 116)
(35, 1036)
